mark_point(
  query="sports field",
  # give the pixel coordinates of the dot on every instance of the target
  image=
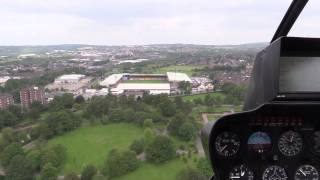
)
(188, 69)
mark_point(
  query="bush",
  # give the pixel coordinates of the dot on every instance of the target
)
(48, 172)
(88, 172)
(190, 174)
(148, 123)
(119, 163)
(137, 146)
(71, 176)
(160, 150)
(187, 131)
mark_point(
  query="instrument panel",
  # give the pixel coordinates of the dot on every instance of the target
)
(273, 142)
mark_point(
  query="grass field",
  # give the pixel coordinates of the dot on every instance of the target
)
(145, 81)
(202, 96)
(167, 171)
(91, 144)
(188, 69)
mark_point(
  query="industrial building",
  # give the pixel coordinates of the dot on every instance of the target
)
(71, 83)
(137, 84)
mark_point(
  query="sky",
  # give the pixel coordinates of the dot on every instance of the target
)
(136, 22)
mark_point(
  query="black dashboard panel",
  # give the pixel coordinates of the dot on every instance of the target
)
(274, 142)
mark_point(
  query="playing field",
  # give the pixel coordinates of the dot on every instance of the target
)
(188, 69)
(91, 144)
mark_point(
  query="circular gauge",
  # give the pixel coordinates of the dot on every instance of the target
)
(274, 173)
(316, 142)
(259, 142)
(306, 172)
(241, 173)
(290, 143)
(227, 144)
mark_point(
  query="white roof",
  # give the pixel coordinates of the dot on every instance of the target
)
(4, 79)
(173, 76)
(71, 77)
(112, 79)
(144, 86)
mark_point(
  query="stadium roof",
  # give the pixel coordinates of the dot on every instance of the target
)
(144, 86)
(177, 77)
(71, 77)
(111, 80)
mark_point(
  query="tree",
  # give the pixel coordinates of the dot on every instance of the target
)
(7, 119)
(9, 152)
(187, 131)
(160, 150)
(20, 169)
(88, 172)
(97, 107)
(120, 163)
(79, 99)
(99, 177)
(35, 109)
(167, 108)
(204, 167)
(148, 136)
(175, 124)
(7, 134)
(16, 110)
(208, 100)
(137, 146)
(61, 122)
(116, 115)
(65, 101)
(148, 123)
(190, 174)
(130, 161)
(48, 172)
(71, 176)
(55, 155)
(34, 157)
(185, 87)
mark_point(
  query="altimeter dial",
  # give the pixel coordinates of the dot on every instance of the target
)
(290, 143)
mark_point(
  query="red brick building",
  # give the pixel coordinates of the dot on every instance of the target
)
(6, 100)
(30, 95)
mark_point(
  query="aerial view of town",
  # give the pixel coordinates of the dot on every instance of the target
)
(116, 112)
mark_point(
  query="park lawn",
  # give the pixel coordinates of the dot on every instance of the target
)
(167, 171)
(146, 81)
(202, 96)
(188, 69)
(91, 144)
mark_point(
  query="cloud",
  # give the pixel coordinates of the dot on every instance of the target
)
(140, 21)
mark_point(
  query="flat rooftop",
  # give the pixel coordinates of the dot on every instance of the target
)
(177, 77)
(71, 77)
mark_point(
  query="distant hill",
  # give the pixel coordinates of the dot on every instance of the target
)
(18, 50)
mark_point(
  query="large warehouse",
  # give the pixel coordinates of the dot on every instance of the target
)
(137, 84)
